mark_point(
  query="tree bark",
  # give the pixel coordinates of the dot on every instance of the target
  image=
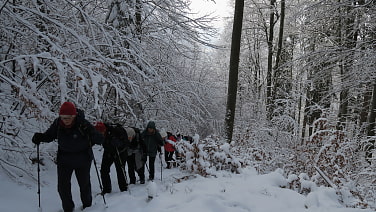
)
(138, 18)
(269, 75)
(366, 105)
(234, 66)
(280, 36)
(282, 76)
(371, 125)
(349, 40)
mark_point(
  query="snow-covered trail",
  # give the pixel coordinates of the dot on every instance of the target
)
(226, 192)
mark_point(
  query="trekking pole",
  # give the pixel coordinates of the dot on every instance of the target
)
(99, 179)
(122, 167)
(160, 158)
(38, 175)
(96, 169)
(147, 167)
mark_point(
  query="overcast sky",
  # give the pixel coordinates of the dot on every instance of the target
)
(221, 8)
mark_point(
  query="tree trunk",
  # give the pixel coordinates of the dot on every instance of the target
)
(349, 40)
(138, 18)
(282, 76)
(372, 114)
(367, 96)
(371, 125)
(280, 36)
(234, 66)
(269, 76)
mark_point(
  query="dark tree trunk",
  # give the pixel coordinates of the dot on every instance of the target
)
(371, 125)
(269, 75)
(138, 18)
(365, 107)
(234, 66)
(349, 43)
(282, 76)
(280, 36)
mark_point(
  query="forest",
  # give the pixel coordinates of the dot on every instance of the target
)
(299, 92)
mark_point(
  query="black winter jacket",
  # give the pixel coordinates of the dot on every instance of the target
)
(74, 144)
(115, 140)
(153, 142)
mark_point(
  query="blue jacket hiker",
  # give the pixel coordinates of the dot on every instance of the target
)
(75, 136)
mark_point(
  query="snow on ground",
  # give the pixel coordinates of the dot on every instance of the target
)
(227, 192)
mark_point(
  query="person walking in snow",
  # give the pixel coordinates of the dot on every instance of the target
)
(169, 148)
(115, 147)
(75, 137)
(135, 152)
(153, 142)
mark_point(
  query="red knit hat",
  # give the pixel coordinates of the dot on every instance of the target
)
(100, 127)
(68, 108)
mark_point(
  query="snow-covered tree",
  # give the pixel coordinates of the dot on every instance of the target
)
(80, 51)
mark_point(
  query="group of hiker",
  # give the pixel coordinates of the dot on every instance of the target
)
(122, 146)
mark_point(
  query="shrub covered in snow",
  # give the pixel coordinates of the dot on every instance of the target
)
(333, 151)
(207, 156)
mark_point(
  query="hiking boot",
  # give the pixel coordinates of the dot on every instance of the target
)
(85, 206)
(69, 210)
(124, 189)
(105, 192)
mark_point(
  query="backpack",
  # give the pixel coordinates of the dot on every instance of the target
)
(116, 137)
(136, 140)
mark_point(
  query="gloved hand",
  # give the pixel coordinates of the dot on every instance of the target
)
(37, 138)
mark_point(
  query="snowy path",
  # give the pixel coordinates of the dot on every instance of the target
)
(246, 192)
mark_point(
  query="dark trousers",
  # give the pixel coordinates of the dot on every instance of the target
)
(132, 169)
(141, 173)
(107, 160)
(169, 158)
(151, 167)
(64, 175)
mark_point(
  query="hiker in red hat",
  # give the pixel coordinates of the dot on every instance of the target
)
(75, 136)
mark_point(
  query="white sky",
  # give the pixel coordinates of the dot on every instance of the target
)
(227, 192)
(221, 8)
